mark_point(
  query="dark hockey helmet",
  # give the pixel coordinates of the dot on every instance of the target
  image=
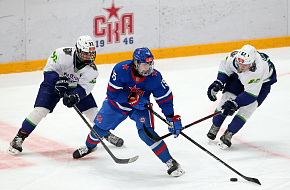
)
(86, 50)
(143, 55)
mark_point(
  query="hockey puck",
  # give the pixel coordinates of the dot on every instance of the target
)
(234, 179)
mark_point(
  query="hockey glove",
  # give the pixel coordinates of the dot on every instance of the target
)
(137, 101)
(61, 86)
(213, 89)
(176, 126)
(229, 107)
(72, 99)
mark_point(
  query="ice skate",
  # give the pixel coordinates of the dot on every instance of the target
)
(174, 168)
(113, 139)
(213, 132)
(16, 144)
(225, 140)
(83, 151)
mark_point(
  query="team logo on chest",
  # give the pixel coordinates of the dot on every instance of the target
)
(137, 91)
(99, 118)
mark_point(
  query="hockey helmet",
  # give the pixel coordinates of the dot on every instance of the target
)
(246, 55)
(143, 55)
(87, 45)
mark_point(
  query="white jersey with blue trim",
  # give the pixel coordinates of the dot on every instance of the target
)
(63, 61)
(253, 78)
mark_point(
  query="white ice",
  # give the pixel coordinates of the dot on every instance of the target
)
(260, 150)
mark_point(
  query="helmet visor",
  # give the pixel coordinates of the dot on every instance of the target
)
(87, 57)
(145, 68)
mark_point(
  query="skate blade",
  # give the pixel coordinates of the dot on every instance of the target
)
(177, 173)
(221, 145)
(12, 151)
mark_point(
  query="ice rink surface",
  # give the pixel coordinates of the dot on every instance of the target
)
(259, 150)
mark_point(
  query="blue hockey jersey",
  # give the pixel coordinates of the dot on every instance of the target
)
(123, 82)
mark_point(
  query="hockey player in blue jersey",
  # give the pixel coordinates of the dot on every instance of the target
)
(129, 88)
(245, 77)
(68, 70)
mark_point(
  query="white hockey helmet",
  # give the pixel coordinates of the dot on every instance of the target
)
(246, 55)
(86, 44)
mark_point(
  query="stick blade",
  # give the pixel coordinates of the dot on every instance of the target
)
(126, 161)
(152, 137)
(254, 180)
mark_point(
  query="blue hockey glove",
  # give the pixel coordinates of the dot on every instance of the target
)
(61, 86)
(229, 107)
(71, 99)
(213, 89)
(176, 126)
(137, 101)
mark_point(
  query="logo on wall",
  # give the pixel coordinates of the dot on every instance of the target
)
(116, 28)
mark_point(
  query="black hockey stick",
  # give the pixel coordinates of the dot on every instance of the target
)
(254, 180)
(167, 122)
(117, 160)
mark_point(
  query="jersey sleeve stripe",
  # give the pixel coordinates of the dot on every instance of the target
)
(165, 100)
(114, 86)
(167, 94)
(111, 89)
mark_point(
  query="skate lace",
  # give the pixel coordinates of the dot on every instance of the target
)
(228, 136)
(17, 142)
(112, 138)
(169, 163)
(83, 150)
(214, 130)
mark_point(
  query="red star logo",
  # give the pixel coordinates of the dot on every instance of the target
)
(134, 89)
(125, 67)
(99, 118)
(154, 73)
(113, 11)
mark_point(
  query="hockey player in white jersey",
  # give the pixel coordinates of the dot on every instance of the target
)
(245, 77)
(71, 71)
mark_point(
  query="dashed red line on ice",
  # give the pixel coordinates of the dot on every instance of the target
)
(34, 143)
(8, 161)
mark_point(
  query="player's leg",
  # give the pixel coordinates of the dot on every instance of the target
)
(241, 118)
(89, 108)
(45, 102)
(232, 88)
(218, 120)
(107, 119)
(236, 124)
(159, 148)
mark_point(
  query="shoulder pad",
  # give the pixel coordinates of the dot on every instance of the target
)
(67, 51)
(93, 65)
(234, 53)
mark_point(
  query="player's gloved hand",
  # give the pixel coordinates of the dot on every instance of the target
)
(176, 126)
(137, 101)
(229, 107)
(71, 99)
(61, 86)
(213, 89)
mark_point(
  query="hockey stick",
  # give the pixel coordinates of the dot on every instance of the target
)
(254, 180)
(117, 160)
(167, 122)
